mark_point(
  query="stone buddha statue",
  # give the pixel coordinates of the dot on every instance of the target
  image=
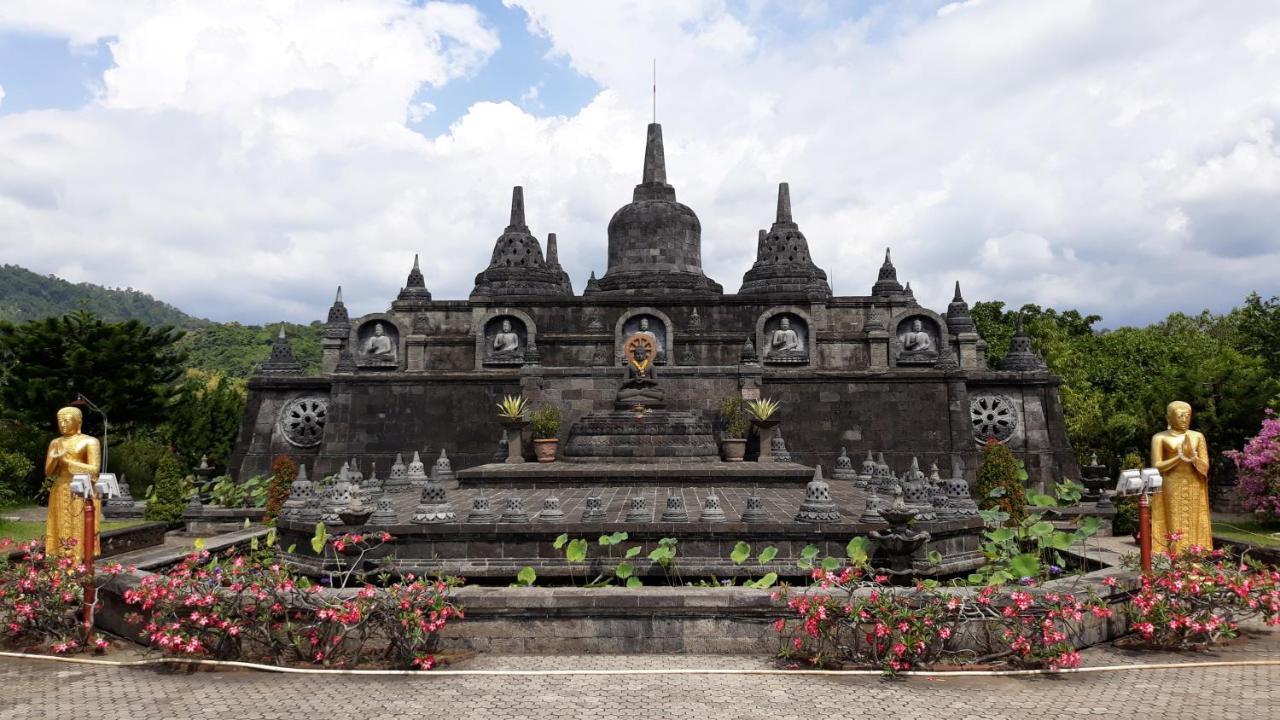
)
(69, 455)
(641, 387)
(506, 345)
(917, 345)
(378, 346)
(785, 344)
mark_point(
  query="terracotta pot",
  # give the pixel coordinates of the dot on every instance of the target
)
(545, 449)
(733, 450)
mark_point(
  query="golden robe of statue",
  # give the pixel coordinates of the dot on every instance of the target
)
(71, 454)
(1182, 504)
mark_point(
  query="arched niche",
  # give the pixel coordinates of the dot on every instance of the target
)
(377, 342)
(504, 338)
(792, 328)
(631, 322)
(916, 338)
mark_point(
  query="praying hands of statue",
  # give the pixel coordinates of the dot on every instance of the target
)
(1187, 451)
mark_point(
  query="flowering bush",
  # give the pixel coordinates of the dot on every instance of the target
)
(845, 617)
(41, 600)
(283, 472)
(1201, 596)
(1259, 468)
(253, 606)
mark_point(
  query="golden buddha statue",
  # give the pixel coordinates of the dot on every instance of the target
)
(1182, 504)
(69, 455)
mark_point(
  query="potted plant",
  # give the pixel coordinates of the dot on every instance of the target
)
(546, 431)
(733, 429)
(765, 418)
(511, 414)
(764, 413)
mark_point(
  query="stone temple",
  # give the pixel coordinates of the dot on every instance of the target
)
(872, 373)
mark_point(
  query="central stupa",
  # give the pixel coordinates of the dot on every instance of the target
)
(655, 243)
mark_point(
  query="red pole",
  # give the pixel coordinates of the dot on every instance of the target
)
(1144, 531)
(90, 587)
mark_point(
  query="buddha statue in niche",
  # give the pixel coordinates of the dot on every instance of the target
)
(641, 387)
(917, 345)
(378, 346)
(505, 346)
(785, 345)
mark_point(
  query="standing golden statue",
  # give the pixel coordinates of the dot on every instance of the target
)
(69, 455)
(1182, 504)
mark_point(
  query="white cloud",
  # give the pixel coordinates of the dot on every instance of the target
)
(1, 95)
(240, 163)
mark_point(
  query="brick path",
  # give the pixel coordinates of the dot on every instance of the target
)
(41, 689)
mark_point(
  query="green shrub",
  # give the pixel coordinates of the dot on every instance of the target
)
(283, 472)
(15, 472)
(1125, 521)
(1000, 481)
(734, 422)
(168, 495)
(135, 459)
(545, 424)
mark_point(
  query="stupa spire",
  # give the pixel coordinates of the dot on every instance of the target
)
(414, 295)
(887, 282)
(782, 262)
(784, 203)
(517, 210)
(655, 163)
(281, 361)
(958, 318)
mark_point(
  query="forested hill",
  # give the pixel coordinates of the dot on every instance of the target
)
(25, 295)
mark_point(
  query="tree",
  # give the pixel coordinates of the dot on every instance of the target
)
(126, 368)
(168, 497)
(204, 418)
(1000, 479)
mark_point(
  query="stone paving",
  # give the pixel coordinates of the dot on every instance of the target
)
(43, 689)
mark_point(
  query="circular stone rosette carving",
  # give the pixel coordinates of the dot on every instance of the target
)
(993, 416)
(302, 421)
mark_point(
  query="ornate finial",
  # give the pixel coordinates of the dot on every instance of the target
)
(887, 281)
(517, 210)
(887, 259)
(784, 203)
(281, 360)
(958, 297)
(655, 164)
(414, 294)
(553, 252)
(337, 299)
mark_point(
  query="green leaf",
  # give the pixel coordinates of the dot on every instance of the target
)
(1022, 472)
(1001, 535)
(934, 557)
(999, 577)
(993, 516)
(318, 540)
(271, 537)
(614, 539)
(253, 544)
(830, 563)
(1025, 565)
(1040, 529)
(809, 552)
(740, 553)
(997, 492)
(526, 576)
(1088, 527)
(766, 581)
(634, 582)
(577, 550)
(858, 551)
(624, 570)
(560, 541)
(668, 542)
(1060, 540)
(767, 554)
(292, 547)
(634, 551)
(1038, 499)
(662, 555)
(976, 579)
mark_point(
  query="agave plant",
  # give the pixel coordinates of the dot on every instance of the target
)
(512, 407)
(763, 409)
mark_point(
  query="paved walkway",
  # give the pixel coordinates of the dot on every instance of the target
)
(43, 689)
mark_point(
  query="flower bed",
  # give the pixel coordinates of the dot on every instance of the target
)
(40, 601)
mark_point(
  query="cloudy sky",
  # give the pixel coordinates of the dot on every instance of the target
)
(241, 158)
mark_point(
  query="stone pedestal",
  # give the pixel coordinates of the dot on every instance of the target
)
(330, 349)
(967, 351)
(766, 430)
(878, 349)
(515, 446)
(415, 351)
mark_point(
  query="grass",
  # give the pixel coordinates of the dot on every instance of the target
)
(20, 531)
(1261, 534)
